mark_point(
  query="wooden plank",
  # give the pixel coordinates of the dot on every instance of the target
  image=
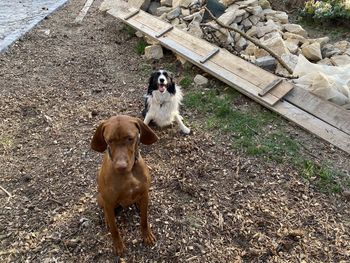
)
(269, 87)
(131, 14)
(210, 55)
(314, 125)
(164, 31)
(327, 111)
(83, 12)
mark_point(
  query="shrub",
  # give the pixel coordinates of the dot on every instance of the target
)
(327, 11)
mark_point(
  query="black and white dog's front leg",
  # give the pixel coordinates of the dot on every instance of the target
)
(183, 127)
(148, 118)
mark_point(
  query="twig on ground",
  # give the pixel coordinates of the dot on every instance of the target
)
(5, 191)
(254, 41)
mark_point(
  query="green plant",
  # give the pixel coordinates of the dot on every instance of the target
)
(140, 46)
(326, 179)
(328, 10)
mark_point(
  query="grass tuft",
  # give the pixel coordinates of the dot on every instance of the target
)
(140, 46)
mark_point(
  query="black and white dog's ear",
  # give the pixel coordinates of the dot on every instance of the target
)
(171, 85)
(152, 83)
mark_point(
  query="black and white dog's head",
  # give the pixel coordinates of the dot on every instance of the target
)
(161, 81)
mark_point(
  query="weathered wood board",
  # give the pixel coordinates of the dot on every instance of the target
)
(327, 111)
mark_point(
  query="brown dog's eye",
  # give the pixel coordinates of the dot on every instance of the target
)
(130, 140)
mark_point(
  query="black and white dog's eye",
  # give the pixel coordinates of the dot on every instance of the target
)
(158, 73)
(165, 74)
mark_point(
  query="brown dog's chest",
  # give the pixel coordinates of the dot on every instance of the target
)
(123, 190)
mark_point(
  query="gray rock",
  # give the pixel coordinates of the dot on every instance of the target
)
(291, 60)
(152, 9)
(174, 13)
(163, 10)
(295, 29)
(340, 60)
(269, 27)
(241, 44)
(246, 24)
(342, 45)
(277, 44)
(254, 10)
(166, 3)
(153, 52)
(248, 3)
(254, 19)
(325, 61)
(195, 30)
(200, 80)
(312, 51)
(329, 50)
(266, 62)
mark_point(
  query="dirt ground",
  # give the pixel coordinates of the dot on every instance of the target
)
(209, 203)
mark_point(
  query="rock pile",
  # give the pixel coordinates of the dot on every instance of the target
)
(257, 19)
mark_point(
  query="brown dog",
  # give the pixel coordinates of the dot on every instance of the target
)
(123, 178)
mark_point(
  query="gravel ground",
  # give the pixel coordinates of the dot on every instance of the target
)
(209, 203)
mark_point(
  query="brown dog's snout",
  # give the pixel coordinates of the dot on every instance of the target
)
(121, 164)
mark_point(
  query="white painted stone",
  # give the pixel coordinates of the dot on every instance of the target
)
(295, 29)
(153, 52)
(312, 51)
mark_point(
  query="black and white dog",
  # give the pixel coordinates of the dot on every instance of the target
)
(163, 100)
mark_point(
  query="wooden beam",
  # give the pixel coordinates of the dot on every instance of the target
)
(325, 110)
(83, 12)
(269, 87)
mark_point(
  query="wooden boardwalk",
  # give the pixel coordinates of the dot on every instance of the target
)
(246, 78)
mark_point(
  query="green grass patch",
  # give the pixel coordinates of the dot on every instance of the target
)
(140, 46)
(324, 178)
(129, 30)
(250, 132)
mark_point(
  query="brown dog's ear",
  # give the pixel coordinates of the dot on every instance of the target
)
(98, 142)
(147, 135)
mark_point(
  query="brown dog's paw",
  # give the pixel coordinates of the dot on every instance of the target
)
(149, 238)
(119, 248)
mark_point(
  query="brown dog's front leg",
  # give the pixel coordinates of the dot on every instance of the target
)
(117, 240)
(147, 234)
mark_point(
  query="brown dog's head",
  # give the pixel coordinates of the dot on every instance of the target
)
(121, 135)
